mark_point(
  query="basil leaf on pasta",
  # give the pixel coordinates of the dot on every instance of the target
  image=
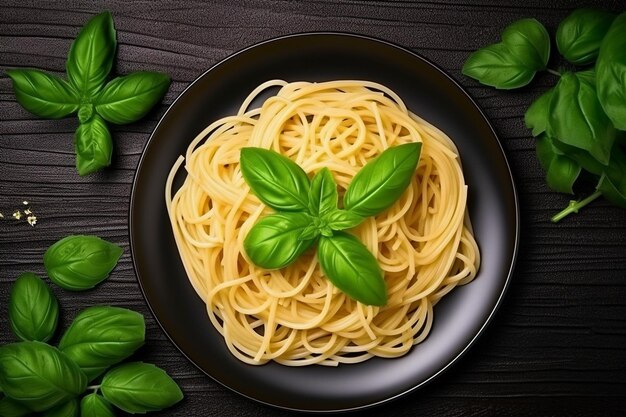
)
(275, 179)
(323, 194)
(382, 180)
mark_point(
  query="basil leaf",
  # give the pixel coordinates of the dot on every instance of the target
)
(80, 262)
(140, 387)
(94, 146)
(38, 375)
(102, 336)
(580, 34)
(352, 268)
(611, 73)
(12, 408)
(577, 119)
(273, 242)
(580, 156)
(93, 405)
(512, 63)
(529, 41)
(90, 58)
(42, 94)
(128, 99)
(33, 309)
(85, 113)
(537, 115)
(276, 180)
(614, 192)
(323, 193)
(561, 171)
(68, 409)
(382, 180)
(496, 66)
(342, 219)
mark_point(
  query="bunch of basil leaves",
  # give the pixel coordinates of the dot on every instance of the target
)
(308, 214)
(122, 100)
(579, 123)
(38, 377)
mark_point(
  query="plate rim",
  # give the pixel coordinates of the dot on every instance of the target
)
(457, 85)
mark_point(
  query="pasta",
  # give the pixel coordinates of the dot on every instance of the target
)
(295, 316)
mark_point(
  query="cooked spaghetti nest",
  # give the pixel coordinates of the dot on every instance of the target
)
(295, 316)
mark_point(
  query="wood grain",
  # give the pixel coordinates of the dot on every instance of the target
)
(558, 345)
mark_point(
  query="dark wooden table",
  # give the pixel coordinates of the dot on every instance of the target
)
(557, 345)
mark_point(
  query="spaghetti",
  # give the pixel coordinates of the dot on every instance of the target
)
(295, 316)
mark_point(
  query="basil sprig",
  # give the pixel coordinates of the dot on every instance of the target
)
(577, 122)
(309, 213)
(122, 100)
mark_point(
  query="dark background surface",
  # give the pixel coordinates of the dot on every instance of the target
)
(557, 345)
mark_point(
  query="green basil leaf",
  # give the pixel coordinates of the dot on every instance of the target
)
(139, 387)
(538, 114)
(561, 171)
(42, 94)
(275, 179)
(93, 405)
(580, 34)
(80, 262)
(128, 99)
(102, 336)
(39, 375)
(91, 55)
(273, 242)
(342, 219)
(12, 408)
(94, 146)
(496, 66)
(611, 72)
(310, 232)
(85, 113)
(33, 309)
(577, 119)
(382, 180)
(512, 63)
(580, 156)
(352, 268)
(529, 41)
(615, 193)
(323, 193)
(68, 409)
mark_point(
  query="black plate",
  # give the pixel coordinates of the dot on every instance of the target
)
(429, 92)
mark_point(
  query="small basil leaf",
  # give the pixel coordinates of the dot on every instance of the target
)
(537, 115)
(561, 171)
(273, 242)
(309, 232)
(39, 375)
(42, 94)
(93, 405)
(90, 58)
(94, 146)
(382, 180)
(581, 156)
(12, 408)
(323, 194)
(102, 336)
(496, 66)
(352, 268)
(85, 112)
(342, 219)
(128, 99)
(80, 262)
(580, 34)
(529, 41)
(275, 179)
(68, 409)
(577, 119)
(139, 387)
(33, 309)
(611, 72)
